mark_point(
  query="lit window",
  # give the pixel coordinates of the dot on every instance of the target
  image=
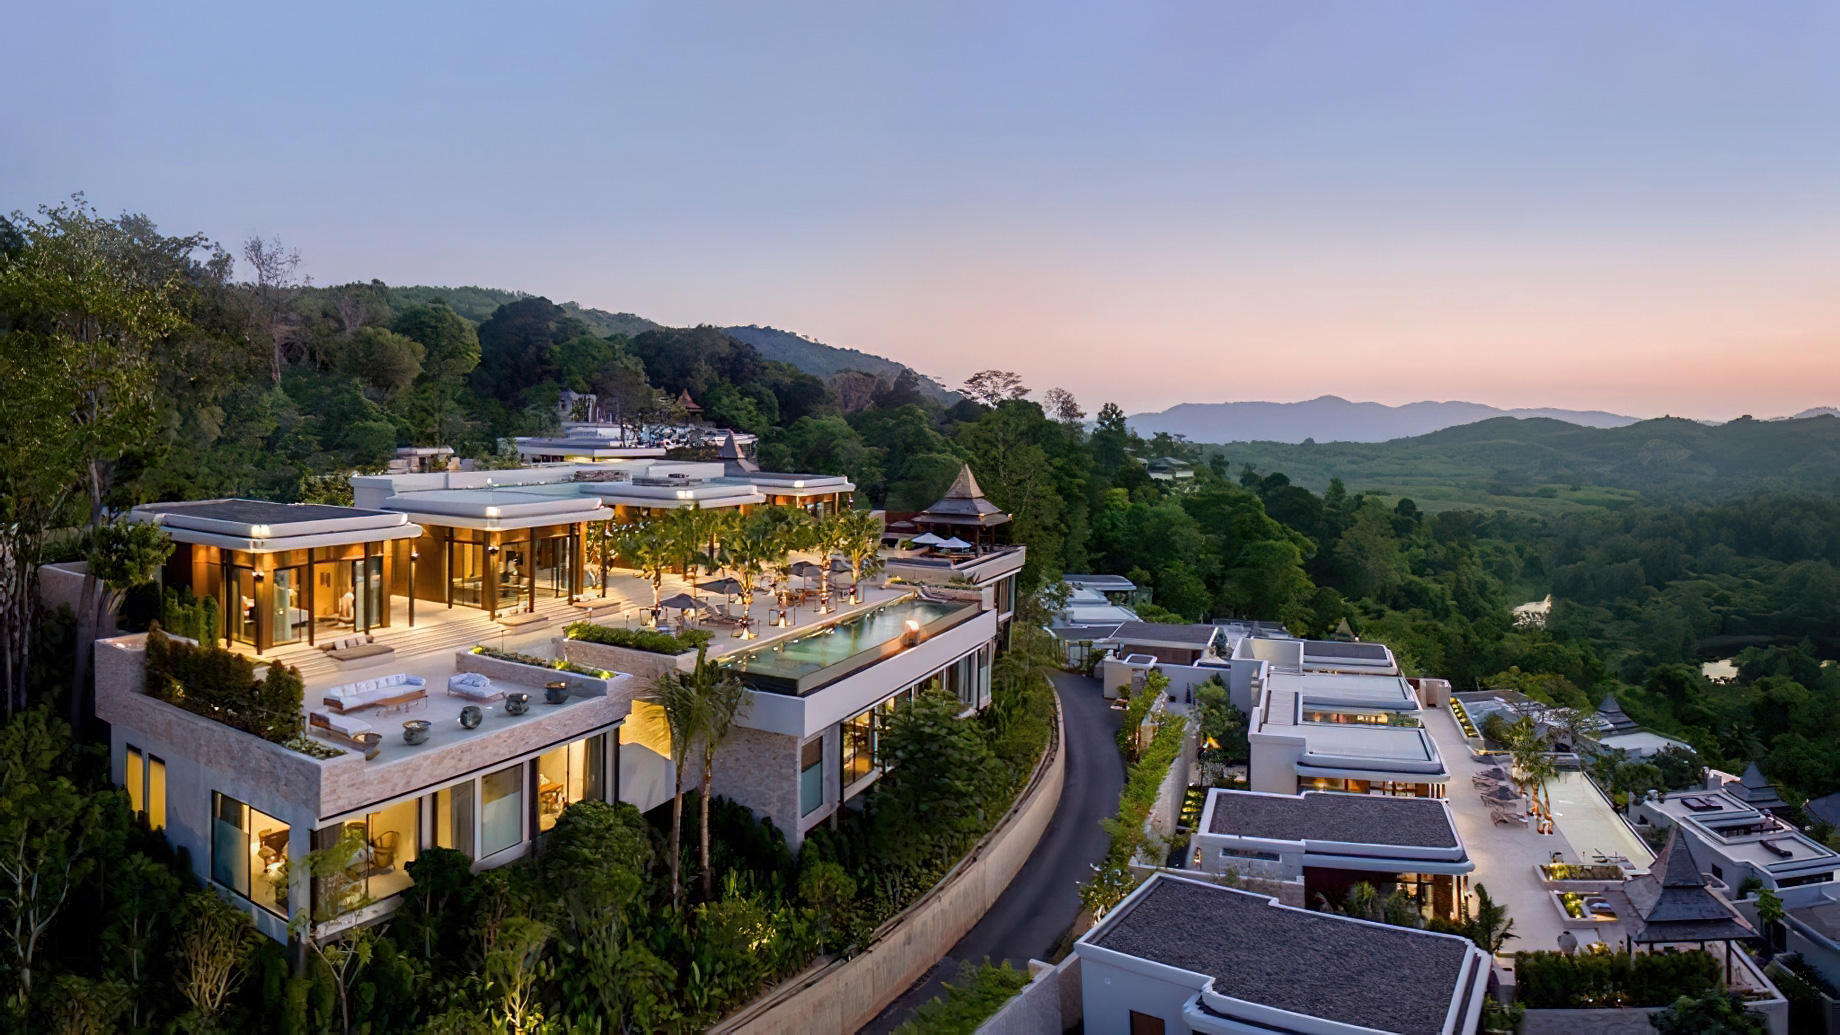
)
(145, 778)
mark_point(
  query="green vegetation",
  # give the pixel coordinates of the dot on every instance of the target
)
(970, 1000)
(1712, 1013)
(647, 640)
(221, 685)
(1547, 467)
(558, 664)
(1555, 981)
(1142, 783)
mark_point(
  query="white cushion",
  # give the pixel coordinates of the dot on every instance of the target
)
(348, 725)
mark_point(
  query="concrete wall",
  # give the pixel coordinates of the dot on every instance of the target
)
(535, 676)
(761, 770)
(1109, 993)
(1048, 1005)
(1274, 763)
(842, 996)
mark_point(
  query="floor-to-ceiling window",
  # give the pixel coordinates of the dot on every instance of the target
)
(249, 852)
(569, 774)
(287, 605)
(376, 850)
(811, 776)
(453, 818)
(466, 573)
(240, 603)
(515, 571)
(501, 810)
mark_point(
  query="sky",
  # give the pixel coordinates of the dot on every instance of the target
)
(1606, 205)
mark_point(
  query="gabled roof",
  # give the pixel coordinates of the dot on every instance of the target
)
(963, 504)
(1674, 903)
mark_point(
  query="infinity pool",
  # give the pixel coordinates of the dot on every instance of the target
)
(785, 664)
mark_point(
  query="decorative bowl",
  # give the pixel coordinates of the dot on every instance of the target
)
(415, 731)
(517, 704)
(470, 717)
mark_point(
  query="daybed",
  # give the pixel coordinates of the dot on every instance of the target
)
(474, 687)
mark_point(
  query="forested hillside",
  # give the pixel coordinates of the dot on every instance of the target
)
(1548, 466)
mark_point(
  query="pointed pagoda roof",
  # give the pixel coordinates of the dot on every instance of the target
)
(963, 504)
(734, 462)
(688, 403)
(1754, 789)
(1615, 719)
(1675, 905)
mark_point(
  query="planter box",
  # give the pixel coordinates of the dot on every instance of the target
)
(1581, 921)
(533, 676)
(1582, 885)
(642, 664)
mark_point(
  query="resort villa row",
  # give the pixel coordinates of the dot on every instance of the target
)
(457, 724)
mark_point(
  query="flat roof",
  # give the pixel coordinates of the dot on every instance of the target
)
(1348, 689)
(1321, 816)
(1157, 632)
(1344, 651)
(261, 512)
(1281, 957)
(1102, 582)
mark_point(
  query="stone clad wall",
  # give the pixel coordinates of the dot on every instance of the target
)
(842, 996)
(645, 666)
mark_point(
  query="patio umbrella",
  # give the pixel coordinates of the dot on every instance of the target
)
(682, 601)
(807, 569)
(726, 587)
(926, 539)
(955, 543)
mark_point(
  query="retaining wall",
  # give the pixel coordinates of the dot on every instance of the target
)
(843, 995)
(644, 665)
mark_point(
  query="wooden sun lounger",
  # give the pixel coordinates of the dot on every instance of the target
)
(1503, 816)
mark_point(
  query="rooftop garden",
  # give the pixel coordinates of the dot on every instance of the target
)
(221, 684)
(558, 664)
(647, 640)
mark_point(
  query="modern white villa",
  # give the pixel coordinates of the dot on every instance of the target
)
(1737, 842)
(445, 708)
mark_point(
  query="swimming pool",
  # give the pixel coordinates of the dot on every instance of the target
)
(826, 653)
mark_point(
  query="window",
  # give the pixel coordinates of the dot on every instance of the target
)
(1145, 1024)
(145, 777)
(811, 776)
(249, 852)
(501, 810)
(453, 818)
(858, 746)
(569, 774)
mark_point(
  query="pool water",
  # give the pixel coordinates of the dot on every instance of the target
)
(828, 645)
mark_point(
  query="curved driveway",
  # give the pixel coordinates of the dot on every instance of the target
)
(1034, 912)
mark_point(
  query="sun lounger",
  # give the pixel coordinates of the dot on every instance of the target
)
(1504, 816)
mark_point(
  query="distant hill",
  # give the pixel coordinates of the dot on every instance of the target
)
(1540, 464)
(1334, 419)
(815, 357)
(808, 354)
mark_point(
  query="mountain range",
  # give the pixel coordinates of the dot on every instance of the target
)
(1334, 419)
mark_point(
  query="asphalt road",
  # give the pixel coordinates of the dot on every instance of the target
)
(1040, 904)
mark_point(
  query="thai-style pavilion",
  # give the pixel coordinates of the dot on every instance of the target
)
(1675, 907)
(965, 513)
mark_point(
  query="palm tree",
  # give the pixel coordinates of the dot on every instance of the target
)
(645, 548)
(679, 699)
(1491, 927)
(1533, 763)
(688, 532)
(723, 700)
(862, 544)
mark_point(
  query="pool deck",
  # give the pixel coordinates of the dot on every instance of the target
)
(1506, 854)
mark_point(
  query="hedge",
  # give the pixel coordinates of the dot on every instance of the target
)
(220, 684)
(638, 639)
(1555, 981)
(1114, 880)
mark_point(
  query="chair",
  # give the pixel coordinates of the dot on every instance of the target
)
(383, 850)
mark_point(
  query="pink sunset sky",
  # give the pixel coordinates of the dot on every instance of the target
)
(1623, 206)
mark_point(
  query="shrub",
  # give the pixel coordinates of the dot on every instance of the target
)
(1554, 981)
(1715, 1013)
(979, 992)
(221, 684)
(648, 640)
(531, 659)
(1114, 881)
(183, 614)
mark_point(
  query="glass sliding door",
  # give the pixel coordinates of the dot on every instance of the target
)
(287, 612)
(240, 603)
(555, 565)
(515, 572)
(368, 599)
(467, 573)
